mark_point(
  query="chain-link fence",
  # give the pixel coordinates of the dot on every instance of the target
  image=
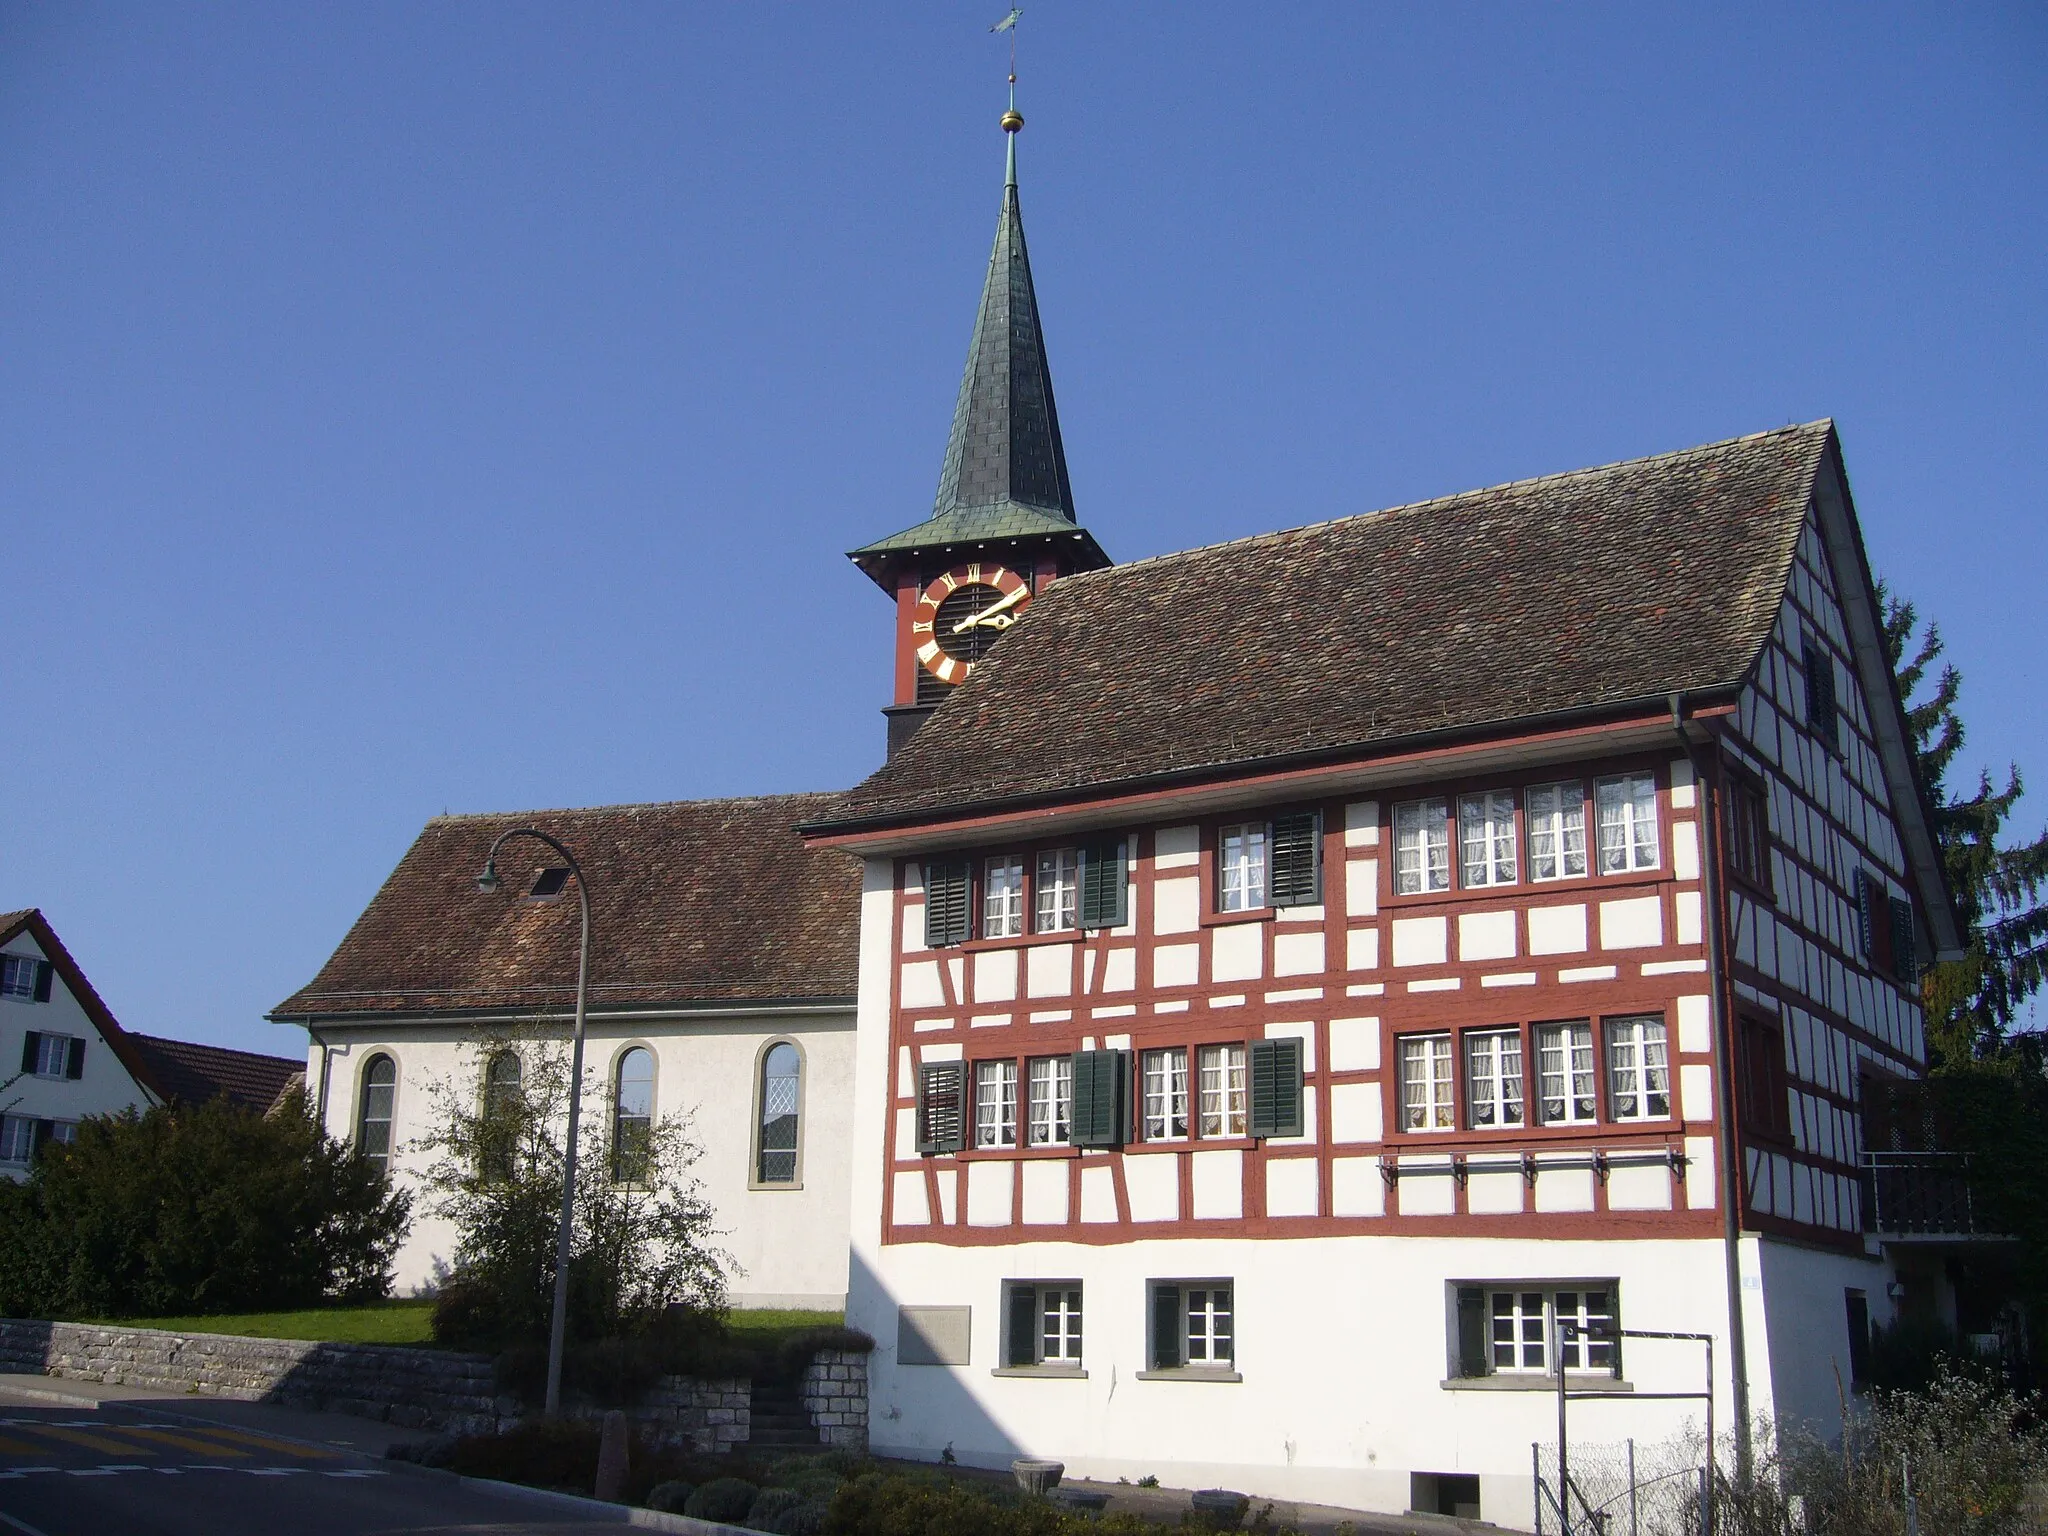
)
(1627, 1488)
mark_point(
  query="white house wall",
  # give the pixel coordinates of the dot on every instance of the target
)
(105, 1088)
(790, 1242)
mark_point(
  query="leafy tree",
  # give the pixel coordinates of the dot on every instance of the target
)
(641, 1243)
(1972, 1003)
(195, 1209)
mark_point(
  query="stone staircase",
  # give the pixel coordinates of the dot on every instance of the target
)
(778, 1419)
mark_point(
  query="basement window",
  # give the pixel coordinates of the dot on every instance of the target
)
(549, 882)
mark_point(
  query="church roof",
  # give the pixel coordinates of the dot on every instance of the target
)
(1570, 593)
(693, 903)
(1005, 471)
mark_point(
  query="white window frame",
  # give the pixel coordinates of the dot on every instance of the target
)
(1422, 847)
(1428, 1092)
(18, 976)
(1208, 1322)
(1223, 1097)
(995, 1105)
(1532, 1311)
(1638, 1068)
(17, 1138)
(1243, 860)
(1576, 1072)
(1496, 1096)
(53, 1055)
(1556, 815)
(1486, 839)
(1626, 812)
(1057, 898)
(1059, 1323)
(1165, 1101)
(1002, 896)
(1050, 1099)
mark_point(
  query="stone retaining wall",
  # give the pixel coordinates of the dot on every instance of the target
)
(835, 1390)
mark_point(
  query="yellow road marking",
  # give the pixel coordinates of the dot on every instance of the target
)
(90, 1441)
(182, 1442)
(263, 1442)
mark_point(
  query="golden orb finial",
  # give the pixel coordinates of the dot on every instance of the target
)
(1012, 120)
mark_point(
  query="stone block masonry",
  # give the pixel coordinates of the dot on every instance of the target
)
(835, 1391)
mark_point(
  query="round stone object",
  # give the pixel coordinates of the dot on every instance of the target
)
(1219, 1501)
(1035, 1476)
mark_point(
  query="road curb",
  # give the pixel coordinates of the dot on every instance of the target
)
(645, 1519)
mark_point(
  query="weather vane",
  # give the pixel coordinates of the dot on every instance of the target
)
(1012, 119)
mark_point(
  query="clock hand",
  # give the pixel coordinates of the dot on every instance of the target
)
(990, 611)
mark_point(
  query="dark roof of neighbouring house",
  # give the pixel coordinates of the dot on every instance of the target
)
(190, 1073)
(30, 920)
(693, 902)
(1567, 593)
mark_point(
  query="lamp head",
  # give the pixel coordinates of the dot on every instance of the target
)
(488, 881)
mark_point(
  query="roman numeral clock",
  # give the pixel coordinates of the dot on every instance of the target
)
(960, 616)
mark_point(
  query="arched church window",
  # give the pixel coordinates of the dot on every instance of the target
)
(633, 1115)
(498, 1132)
(373, 1112)
(781, 1104)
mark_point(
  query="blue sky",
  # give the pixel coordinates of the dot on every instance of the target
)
(414, 408)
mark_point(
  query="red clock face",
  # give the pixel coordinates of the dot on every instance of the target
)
(962, 614)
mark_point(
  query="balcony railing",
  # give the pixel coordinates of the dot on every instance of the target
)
(1918, 1194)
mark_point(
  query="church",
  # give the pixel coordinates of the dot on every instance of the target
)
(1285, 1010)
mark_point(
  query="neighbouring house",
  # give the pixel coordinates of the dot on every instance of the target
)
(721, 987)
(186, 1072)
(1314, 990)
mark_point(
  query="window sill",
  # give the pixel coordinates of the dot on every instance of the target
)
(780, 1187)
(1191, 1373)
(1051, 1372)
(1564, 885)
(1231, 919)
(1575, 1382)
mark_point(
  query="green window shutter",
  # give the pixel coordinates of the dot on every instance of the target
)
(1105, 884)
(1905, 950)
(947, 884)
(941, 1107)
(1166, 1340)
(74, 1061)
(1471, 1331)
(1099, 1114)
(1023, 1325)
(31, 1048)
(1866, 924)
(43, 973)
(1276, 1087)
(1296, 879)
(1822, 713)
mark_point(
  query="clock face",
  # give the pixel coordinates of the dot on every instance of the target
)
(962, 614)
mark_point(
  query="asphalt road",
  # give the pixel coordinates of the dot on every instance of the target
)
(140, 1468)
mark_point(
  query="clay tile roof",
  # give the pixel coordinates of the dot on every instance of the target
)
(1567, 593)
(692, 902)
(190, 1073)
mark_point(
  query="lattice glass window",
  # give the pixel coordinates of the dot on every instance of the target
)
(1002, 897)
(995, 1104)
(1050, 1099)
(1059, 890)
(1518, 1331)
(1241, 852)
(1166, 1094)
(781, 1094)
(1422, 847)
(1638, 1073)
(373, 1114)
(1221, 1083)
(1564, 1068)
(1210, 1328)
(1627, 806)
(1588, 1344)
(1493, 1078)
(633, 1115)
(1486, 832)
(1557, 830)
(1059, 1333)
(1426, 1093)
(502, 1123)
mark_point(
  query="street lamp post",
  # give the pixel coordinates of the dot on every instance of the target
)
(488, 882)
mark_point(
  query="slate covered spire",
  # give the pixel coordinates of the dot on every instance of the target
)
(1005, 472)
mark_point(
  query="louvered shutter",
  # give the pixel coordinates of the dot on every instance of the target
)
(941, 1106)
(1866, 918)
(1905, 949)
(31, 1048)
(1166, 1341)
(1297, 873)
(1276, 1087)
(1821, 710)
(45, 1129)
(1471, 1331)
(74, 1064)
(1023, 1325)
(1099, 1113)
(43, 972)
(1104, 882)
(947, 883)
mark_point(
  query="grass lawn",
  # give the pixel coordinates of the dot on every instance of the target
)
(383, 1322)
(770, 1326)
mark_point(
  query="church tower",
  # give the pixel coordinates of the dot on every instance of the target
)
(1003, 524)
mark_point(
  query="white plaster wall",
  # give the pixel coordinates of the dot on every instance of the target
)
(1805, 1335)
(790, 1243)
(105, 1089)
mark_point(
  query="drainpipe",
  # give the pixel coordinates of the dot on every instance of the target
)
(320, 1091)
(1724, 1069)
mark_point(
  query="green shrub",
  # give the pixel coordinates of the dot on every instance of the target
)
(669, 1497)
(769, 1503)
(805, 1519)
(727, 1499)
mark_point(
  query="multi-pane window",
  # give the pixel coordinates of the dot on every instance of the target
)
(1166, 1094)
(1522, 1325)
(995, 1104)
(498, 1130)
(17, 1138)
(1627, 809)
(1426, 1083)
(373, 1112)
(1193, 1325)
(1749, 833)
(1059, 1332)
(25, 976)
(1422, 847)
(633, 1115)
(1050, 1101)
(1486, 834)
(1564, 1073)
(1059, 890)
(782, 1080)
(1221, 1083)
(1241, 854)
(1002, 897)
(47, 1055)
(1557, 830)
(1638, 1074)
(1493, 1078)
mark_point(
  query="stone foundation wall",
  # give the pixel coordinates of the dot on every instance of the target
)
(835, 1390)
